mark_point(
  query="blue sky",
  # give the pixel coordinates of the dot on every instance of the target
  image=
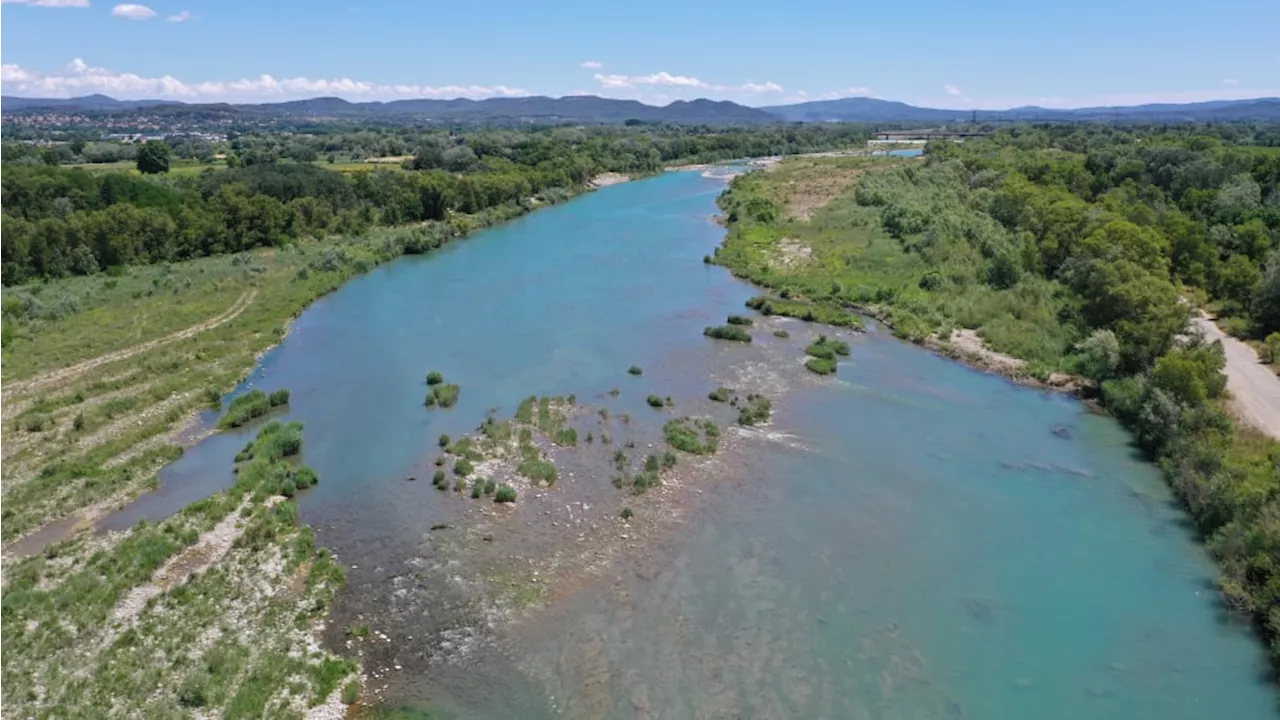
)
(980, 54)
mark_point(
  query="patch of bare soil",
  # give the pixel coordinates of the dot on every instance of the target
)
(968, 347)
(790, 254)
(607, 179)
(813, 187)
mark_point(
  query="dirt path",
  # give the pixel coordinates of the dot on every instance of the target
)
(1255, 389)
(13, 390)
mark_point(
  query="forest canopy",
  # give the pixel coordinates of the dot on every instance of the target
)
(271, 190)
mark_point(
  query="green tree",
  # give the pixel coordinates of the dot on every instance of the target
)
(153, 157)
(1238, 280)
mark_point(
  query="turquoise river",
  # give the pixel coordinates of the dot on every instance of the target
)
(908, 539)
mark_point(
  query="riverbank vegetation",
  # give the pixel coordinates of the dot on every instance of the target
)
(252, 405)
(272, 191)
(728, 332)
(755, 410)
(443, 395)
(213, 611)
(1072, 248)
(695, 436)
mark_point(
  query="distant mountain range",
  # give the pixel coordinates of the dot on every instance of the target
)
(596, 110)
(871, 110)
(572, 109)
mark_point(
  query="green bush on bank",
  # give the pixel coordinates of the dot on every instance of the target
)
(698, 437)
(250, 406)
(445, 396)
(756, 411)
(728, 332)
(821, 366)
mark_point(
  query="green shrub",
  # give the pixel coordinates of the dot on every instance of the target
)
(626, 513)
(194, 692)
(463, 467)
(538, 470)
(668, 460)
(440, 480)
(304, 477)
(566, 437)
(505, 494)
(444, 440)
(524, 413)
(634, 370)
(720, 394)
(781, 334)
(683, 434)
(1237, 327)
(651, 463)
(213, 396)
(351, 692)
(1271, 349)
(756, 411)
(459, 485)
(78, 422)
(253, 404)
(643, 481)
(435, 377)
(821, 366)
(728, 332)
(477, 489)
(739, 320)
(655, 401)
(444, 396)
(490, 487)
(826, 348)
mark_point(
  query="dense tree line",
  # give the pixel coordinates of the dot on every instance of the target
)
(62, 221)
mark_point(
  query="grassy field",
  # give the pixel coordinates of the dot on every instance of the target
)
(350, 167)
(177, 167)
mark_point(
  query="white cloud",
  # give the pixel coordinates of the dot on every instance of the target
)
(953, 90)
(591, 64)
(180, 17)
(764, 87)
(48, 3)
(663, 87)
(1230, 81)
(130, 11)
(13, 73)
(80, 78)
(846, 92)
(659, 78)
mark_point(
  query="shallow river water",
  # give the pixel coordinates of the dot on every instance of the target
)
(911, 539)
